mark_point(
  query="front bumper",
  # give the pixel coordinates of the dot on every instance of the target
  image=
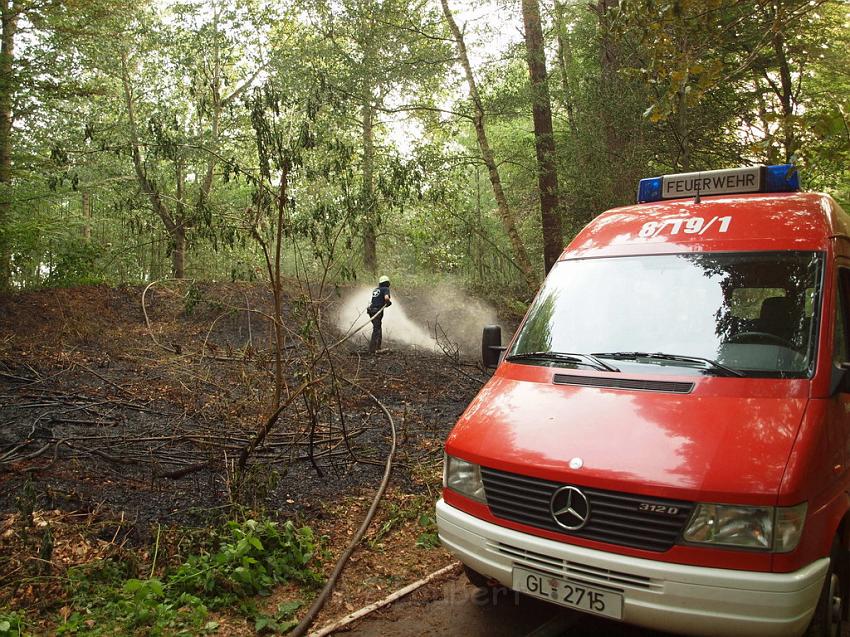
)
(691, 600)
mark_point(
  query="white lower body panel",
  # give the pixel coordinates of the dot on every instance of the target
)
(691, 600)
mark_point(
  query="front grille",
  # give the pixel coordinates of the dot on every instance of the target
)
(636, 384)
(575, 571)
(615, 518)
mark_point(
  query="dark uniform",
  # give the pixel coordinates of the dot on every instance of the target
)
(380, 300)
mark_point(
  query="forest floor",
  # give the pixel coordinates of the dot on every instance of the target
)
(120, 433)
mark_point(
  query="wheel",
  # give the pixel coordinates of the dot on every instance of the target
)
(829, 613)
(743, 337)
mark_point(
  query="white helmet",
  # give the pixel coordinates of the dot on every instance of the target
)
(384, 279)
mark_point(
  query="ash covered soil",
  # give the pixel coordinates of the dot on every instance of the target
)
(138, 422)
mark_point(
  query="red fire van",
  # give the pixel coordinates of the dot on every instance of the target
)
(666, 441)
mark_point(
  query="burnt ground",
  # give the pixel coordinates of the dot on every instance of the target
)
(118, 429)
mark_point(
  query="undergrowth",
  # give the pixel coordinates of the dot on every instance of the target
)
(11, 624)
(419, 509)
(248, 559)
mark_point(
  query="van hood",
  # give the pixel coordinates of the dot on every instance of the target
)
(727, 441)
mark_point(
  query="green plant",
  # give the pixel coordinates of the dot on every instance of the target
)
(281, 621)
(397, 515)
(429, 538)
(251, 487)
(25, 504)
(75, 263)
(194, 296)
(249, 558)
(419, 509)
(11, 624)
(257, 556)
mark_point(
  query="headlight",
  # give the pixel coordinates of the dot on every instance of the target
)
(465, 478)
(750, 527)
(747, 527)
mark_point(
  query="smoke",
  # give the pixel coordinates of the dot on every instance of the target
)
(438, 319)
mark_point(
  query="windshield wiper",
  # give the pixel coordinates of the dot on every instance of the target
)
(582, 359)
(713, 364)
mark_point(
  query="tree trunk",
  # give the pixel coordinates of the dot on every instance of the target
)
(770, 151)
(505, 215)
(609, 64)
(544, 140)
(785, 93)
(178, 254)
(565, 62)
(85, 204)
(175, 226)
(683, 130)
(275, 280)
(370, 248)
(610, 87)
(215, 98)
(178, 234)
(9, 19)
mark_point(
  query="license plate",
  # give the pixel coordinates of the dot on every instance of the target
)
(571, 594)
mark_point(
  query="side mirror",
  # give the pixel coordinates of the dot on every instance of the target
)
(491, 345)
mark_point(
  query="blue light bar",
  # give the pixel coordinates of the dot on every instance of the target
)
(650, 189)
(781, 178)
(730, 181)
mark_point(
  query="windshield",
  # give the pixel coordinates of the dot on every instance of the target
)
(754, 312)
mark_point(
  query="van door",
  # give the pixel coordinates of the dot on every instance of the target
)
(839, 425)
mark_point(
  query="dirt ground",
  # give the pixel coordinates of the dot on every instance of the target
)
(115, 426)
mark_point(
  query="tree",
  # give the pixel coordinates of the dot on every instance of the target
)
(9, 14)
(382, 58)
(31, 77)
(784, 61)
(544, 140)
(185, 132)
(478, 119)
(693, 52)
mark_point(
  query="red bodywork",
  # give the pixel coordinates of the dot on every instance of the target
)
(748, 441)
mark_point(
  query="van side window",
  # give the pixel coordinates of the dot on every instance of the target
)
(840, 350)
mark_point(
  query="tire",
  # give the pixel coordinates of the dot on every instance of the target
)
(829, 613)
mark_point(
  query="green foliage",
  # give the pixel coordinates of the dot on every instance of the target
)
(281, 621)
(75, 263)
(11, 624)
(428, 539)
(257, 556)
(418, 510)
(396, 517)
(194, 296)
(25, 503)
(250, 558)
(226, 94)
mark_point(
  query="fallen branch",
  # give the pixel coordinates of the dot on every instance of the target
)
(263, 431)
(105, 380)
(389, 599)
(185, 471)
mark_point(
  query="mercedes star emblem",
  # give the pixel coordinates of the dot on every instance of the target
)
(570, 508)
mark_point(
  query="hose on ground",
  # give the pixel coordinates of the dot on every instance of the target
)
(324, 595)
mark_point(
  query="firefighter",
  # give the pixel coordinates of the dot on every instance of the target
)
(380, 301)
